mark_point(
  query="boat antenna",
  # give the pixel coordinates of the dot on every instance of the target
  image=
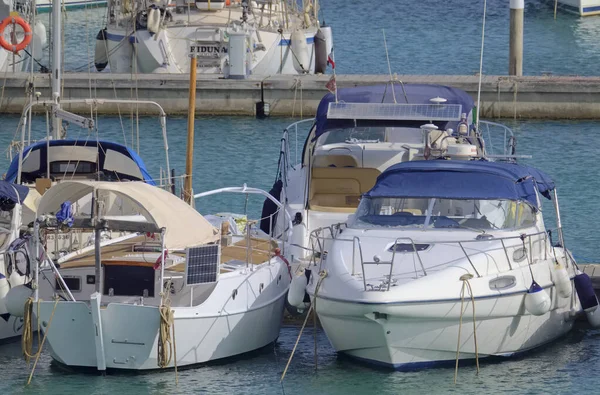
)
(480, 67)
(387, 55)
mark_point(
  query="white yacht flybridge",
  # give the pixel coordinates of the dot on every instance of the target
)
(230, 39)
(359, 133)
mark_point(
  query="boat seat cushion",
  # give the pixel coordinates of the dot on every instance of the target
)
(334, 161)
(335, 187)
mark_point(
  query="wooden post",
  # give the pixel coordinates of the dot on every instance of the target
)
(187, 188)
(515, 54)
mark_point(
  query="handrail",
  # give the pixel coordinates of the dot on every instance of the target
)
(321, 239)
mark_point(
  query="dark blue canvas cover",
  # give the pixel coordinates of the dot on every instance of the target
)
(462, 180)
(13, 192)
(103, 146)
(415, 93)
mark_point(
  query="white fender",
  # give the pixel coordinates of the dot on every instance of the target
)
(562, 281)
(4, 288)
(40, 40)
(153, 20)
(299, 49)
(297, 289)
(537, 301)
(16, 279)
(16, 298)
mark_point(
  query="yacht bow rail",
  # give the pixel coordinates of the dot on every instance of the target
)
(319, 238)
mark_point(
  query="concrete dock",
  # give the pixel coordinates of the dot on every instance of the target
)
(542, 97)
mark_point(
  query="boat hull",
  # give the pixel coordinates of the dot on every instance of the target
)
(408, 336)
(131, 339)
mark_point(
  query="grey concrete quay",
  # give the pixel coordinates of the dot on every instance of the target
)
(543, 97)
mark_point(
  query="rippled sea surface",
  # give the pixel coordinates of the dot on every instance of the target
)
(427, 37)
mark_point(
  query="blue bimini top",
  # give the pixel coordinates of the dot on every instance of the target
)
(447, 179)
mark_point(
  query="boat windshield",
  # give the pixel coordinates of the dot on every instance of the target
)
(435, 213)
(372, 134)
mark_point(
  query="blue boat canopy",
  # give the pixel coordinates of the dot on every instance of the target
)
(12, 193)
(415, 94)
(462, 180)
(114, 161)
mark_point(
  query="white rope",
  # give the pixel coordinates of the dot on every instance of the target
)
(466, 285)
(481, 63)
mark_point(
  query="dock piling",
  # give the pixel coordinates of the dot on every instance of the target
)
(515, 55)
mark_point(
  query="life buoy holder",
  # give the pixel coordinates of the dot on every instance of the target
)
(26, 28)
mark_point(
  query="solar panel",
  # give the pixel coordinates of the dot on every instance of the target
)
(202, 264)
(395, 112)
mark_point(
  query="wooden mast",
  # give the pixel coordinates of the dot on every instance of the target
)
(187, 186)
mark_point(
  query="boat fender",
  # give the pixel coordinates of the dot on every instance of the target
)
(587, 298)
(562, 281)
(40, 39)
(16, 298)
(537, 301)
(4, 288)
(101, 53)
(320, 52)
(153, 19)
(299, 49)
(297, 289)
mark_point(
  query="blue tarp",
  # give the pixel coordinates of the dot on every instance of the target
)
(449, 179)
(416, 94)
(103, 146)
(13, 192)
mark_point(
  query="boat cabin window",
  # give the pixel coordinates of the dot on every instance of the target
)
(434, 213)
(70, 167)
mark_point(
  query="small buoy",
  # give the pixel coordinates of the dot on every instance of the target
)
(101, 52)
(4, 288)
(153, 20)
(299, 49)
(16, 298)
(320, 52)
(562, 281)
(537, 301)
(297, 289)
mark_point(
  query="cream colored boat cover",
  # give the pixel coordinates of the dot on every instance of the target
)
(185, 227)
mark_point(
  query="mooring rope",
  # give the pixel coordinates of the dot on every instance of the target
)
(29, 340)
(167, 350)
(466, 285)
(322, 276)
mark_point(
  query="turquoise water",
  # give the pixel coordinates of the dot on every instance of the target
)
(433, 37)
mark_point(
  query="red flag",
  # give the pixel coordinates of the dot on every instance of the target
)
(331, 85)
(330, 60)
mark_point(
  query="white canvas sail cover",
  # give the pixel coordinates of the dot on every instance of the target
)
(185, 227)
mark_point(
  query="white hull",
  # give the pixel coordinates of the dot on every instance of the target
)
(46, 5)
(10, 330)
(580, 7)
(417, 335)
(220, 327)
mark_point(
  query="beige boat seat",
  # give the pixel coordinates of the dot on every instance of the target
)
(338, 189)
(334, 161)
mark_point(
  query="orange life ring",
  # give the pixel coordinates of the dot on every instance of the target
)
(26, 28)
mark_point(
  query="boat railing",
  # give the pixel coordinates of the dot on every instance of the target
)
(286, 232)
(499, 140)
(319, 238)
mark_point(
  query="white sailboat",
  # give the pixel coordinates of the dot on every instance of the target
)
(231, 39)
(224, 294)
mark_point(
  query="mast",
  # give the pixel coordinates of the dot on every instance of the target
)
(187, 186)
(56, 66)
